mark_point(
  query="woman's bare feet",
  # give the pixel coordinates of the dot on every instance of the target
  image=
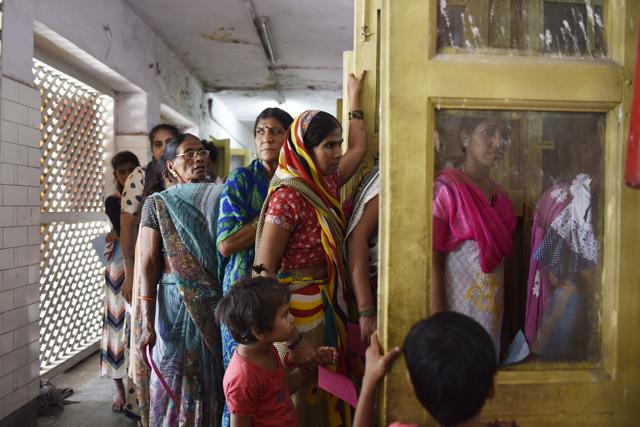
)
(119, 398)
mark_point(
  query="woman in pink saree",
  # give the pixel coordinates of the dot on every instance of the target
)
(473, 223)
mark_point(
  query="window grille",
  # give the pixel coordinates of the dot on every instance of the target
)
(76, 124)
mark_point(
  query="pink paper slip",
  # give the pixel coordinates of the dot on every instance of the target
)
(354, 343)
(338, 385)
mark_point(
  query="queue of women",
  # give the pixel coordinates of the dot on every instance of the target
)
(184, 241)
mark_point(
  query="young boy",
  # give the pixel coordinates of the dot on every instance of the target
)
(256, 385)
(451, 365)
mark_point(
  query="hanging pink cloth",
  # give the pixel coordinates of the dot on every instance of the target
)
(462, 212)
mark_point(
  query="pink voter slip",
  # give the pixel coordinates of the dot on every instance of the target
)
(338, 385)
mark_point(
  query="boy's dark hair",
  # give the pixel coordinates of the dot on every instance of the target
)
(251, 304)
(451, 361)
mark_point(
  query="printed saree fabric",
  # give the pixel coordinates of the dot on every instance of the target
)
(240, 203)
(296, 170)
(187, 350)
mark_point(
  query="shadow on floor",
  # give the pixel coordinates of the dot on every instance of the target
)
(93, 395)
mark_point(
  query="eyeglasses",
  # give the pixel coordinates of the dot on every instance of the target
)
(273, 131)
(190, 155)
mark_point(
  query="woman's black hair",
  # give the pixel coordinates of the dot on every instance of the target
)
(321, 125)
(165, 127)
(170, 153)
(282, 116)
(122, 158)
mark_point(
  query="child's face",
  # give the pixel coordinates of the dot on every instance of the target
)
(283, 325)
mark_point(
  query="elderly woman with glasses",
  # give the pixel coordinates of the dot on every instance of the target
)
(473, 224)
(179, 337)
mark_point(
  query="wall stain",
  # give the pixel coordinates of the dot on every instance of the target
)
(224, 35)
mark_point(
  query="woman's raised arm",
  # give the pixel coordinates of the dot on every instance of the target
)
(357, 135)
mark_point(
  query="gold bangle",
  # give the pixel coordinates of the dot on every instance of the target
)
(146, 298)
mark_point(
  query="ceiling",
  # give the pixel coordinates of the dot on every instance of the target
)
(218, 41)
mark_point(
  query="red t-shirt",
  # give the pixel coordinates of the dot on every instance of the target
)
(251, 391)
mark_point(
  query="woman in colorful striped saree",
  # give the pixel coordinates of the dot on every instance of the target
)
(179, 292)
(300, 241)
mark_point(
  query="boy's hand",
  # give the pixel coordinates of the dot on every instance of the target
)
(326, 355)
(377, 364)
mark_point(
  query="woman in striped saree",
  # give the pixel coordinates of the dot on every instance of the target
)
(114, 345)
(300, 241)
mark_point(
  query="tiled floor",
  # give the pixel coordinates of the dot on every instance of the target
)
(93, 395)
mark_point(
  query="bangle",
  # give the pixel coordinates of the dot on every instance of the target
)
(356, 115)
(294, 344)
(146, 298)
(367, 312)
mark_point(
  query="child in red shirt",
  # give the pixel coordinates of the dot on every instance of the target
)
(256, 385)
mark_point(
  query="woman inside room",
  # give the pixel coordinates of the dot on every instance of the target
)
(473, 224)
(559, 317)
(240, 204)
(300, 237)
(179, 291)
(114, 345)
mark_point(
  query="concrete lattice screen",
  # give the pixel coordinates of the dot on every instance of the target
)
(75, 119)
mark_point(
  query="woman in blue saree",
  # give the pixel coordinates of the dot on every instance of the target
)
(179, 293)
(240, 204)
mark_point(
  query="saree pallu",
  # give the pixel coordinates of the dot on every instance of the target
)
(188, 366)
(316, 321)
(240, 203)
(187, 350)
